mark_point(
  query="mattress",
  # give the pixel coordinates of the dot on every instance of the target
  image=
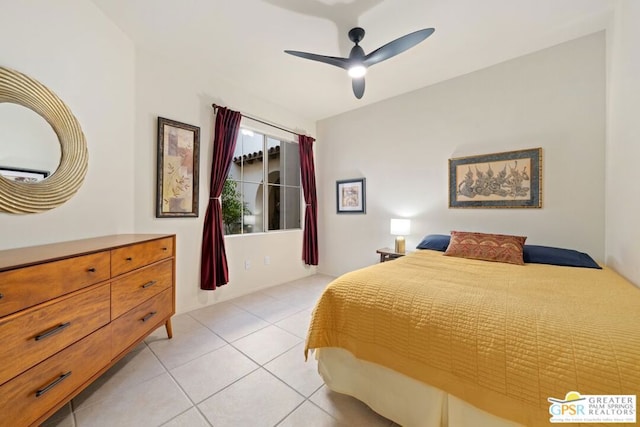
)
(503, 338)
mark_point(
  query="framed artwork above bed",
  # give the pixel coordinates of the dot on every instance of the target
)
(511, 179)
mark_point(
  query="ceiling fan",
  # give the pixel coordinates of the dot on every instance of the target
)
(357, 62)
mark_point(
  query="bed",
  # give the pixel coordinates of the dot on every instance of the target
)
(436, 340)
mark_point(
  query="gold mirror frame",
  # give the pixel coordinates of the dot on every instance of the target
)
(20, 197)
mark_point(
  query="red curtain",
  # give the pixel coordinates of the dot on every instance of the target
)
(213, 267)
(308, 172)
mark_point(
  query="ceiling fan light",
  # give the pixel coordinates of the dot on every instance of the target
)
(357, 71)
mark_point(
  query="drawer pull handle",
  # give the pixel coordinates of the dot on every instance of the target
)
(1, 296)
(91, 270)
(129, 258)
(149, 284)
(53, 331)
(149, 316)
(165, 249)
(57, 381)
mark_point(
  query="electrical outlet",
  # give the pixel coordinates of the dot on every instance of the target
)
(267, 260)
(247, 264)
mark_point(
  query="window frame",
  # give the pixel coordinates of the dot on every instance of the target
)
(266, 185)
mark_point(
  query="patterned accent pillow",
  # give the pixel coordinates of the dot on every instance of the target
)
(488, 247)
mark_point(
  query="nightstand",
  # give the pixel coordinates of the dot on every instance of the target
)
(388, 254)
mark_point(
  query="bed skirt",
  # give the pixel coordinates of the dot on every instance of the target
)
(404, 400)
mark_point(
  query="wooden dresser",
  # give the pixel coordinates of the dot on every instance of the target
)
(70, 310)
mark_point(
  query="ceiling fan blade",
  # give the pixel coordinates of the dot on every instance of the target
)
(358, 86)
(397, 46)
(331, 60)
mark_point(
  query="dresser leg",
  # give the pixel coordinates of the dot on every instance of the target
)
(169, 329)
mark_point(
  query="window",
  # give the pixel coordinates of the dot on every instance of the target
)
(262, 191)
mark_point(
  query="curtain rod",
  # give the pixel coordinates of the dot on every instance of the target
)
(216, 106)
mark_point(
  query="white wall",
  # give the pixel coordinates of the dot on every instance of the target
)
(623, 148)
(70, 47)
(554, 99)
(177, 89)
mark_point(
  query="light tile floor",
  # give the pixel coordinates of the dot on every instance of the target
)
(237, 363)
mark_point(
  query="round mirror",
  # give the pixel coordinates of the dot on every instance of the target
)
(41, 193)
(29, 148)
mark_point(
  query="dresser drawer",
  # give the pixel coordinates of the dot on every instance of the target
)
(35, 334)
(27, 397)
(139, 286)
(134, 256)
(26, 287)
(142, 320)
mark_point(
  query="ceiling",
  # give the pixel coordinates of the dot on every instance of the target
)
(242, 41)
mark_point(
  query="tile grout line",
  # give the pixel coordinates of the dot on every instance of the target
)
(223, 388)
(305, 398)
(258, 367)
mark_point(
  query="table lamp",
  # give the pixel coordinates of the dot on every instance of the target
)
(400, 228)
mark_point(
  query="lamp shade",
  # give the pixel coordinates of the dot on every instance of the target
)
(400, 227)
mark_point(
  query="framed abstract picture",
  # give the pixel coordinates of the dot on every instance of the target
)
(351, 196)
(178, 169)
(511, 179)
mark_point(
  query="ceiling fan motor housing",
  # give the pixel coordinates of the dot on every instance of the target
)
(356, 35)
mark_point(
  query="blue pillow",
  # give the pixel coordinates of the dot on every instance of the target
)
(557, 256)
(436, 242)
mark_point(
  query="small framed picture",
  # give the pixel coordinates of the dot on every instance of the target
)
(23, 175)
(178, 166)
(351, 196)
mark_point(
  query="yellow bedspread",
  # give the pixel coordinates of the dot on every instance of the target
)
(502, 337)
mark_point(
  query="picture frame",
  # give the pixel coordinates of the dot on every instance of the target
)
(351, 196)
(22, 174)
(511, 179)
(178, 169)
